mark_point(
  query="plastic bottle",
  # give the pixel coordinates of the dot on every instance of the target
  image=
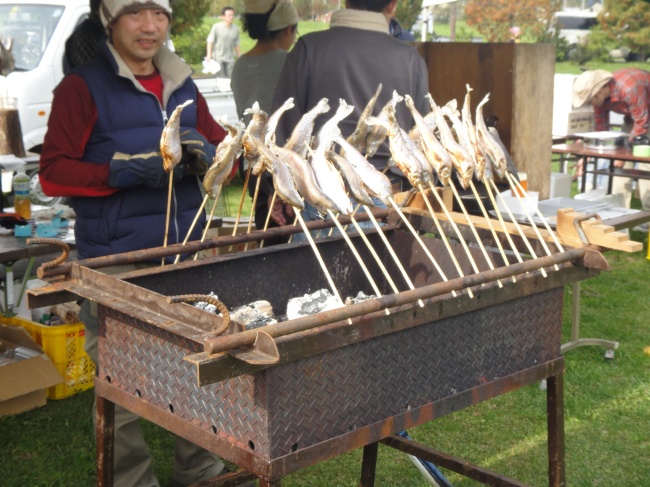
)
(22, 202)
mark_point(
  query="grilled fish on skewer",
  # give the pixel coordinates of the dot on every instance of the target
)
(480, 158)
(350, 178)
(433, 150)
(301, 135)
(376, 182)
(357, 139)
(459, 158)
(272, 124)
(487, 142)
(170, 141)
(377, 133)
(284, 184)
(255, 128)
(461, 133)
(224, 159)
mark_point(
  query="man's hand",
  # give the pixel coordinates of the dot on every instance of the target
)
(618, 163)
(201, 150)
(281, 213)
(140, 169)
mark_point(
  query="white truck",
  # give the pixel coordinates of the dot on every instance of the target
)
(37, 31)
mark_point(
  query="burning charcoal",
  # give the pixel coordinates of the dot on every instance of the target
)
(310, 304)
(254, 315)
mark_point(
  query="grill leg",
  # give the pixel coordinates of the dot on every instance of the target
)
(104, 430)
(555, 419)
(369, 465)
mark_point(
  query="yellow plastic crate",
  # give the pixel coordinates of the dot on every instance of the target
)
(64, 344)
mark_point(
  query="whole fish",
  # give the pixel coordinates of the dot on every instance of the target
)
(224, 160)
(330, 129)
(470, 129)
(434, 152)
(402, 156)
(304, 179)
(272, 124)
(358, 138)
(461, 135)
(487, 142)
(170, 141)
(301, 135)
(459, 157)
(255, 128)
(378, 132)
(351, 179)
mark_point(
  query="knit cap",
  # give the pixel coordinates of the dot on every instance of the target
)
(284, 14)
(110, 10)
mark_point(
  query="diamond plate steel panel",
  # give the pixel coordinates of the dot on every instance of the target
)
(324, 396)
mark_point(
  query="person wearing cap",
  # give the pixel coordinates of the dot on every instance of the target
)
(102, 150)
(627, 92)
(274, 25)
(223, 43)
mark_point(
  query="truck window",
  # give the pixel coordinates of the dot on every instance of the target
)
(30, 27)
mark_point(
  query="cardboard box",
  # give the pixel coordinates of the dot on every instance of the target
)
(24, 382)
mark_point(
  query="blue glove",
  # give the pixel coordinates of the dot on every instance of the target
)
(200, 152)
(141, 169)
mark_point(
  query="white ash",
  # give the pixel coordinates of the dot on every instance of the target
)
(309, 304)
(254, 315)
(210, 308)
(359, 298)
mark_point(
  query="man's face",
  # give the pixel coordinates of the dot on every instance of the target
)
(138, 35)
(599, 98)
(229, 16)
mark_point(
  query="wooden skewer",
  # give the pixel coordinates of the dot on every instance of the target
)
(546, 225)
(268, 215)
(169, 210)
(207, 225)
(489, 222)
(517, 226)
(393, 255)
(417, 237)
(443, 236)
(254, 204)
(320, 260)
(514, 190)
(196, 218)
(473, 228)
(358, 257)
(241, 202)
(503, 223)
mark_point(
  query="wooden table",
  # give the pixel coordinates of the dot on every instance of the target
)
(591, 156)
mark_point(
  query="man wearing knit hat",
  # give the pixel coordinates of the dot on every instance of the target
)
(625, 91)
(102, 150)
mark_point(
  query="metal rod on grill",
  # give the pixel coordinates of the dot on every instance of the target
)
(516, 224)
(517, 194)
(246, 338)
(489, 222)
(392, 252)
(356, 255)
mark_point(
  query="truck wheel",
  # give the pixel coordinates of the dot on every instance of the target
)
(36, 192)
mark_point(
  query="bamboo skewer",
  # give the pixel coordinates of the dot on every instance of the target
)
(489, 222)
(196, 218)
(443, 236)
(254, 203)
(207, 225)
(241, 202)
(393, 255)
(320, 260)
(517, 194)
(517, 226)
(473, 228)
(169, 210)
(357, 256)
(268, 215)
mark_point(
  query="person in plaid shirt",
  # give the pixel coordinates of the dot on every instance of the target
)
(625, 91)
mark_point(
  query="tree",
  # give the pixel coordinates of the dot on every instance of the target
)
(494, 18)
(407, 12)
(188, 14)
(627, 22)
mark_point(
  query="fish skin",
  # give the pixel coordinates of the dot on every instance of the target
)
(376, 182)
(330, 129)
(459, 158)
(224, 160)
(301, 134)
(170, 140)
(350, 178)
(272, 124)
(487, 142)
(377, 133)
(357, 139)
(304, 179)
(255, 128)
(470, 129)
(434, 152)
(462, 138)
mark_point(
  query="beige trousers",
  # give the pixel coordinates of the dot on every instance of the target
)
(132, 462)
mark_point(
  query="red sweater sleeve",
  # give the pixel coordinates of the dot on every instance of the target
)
(61, 170)
(205, 124)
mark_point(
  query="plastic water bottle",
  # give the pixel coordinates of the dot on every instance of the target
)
(22, 202)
